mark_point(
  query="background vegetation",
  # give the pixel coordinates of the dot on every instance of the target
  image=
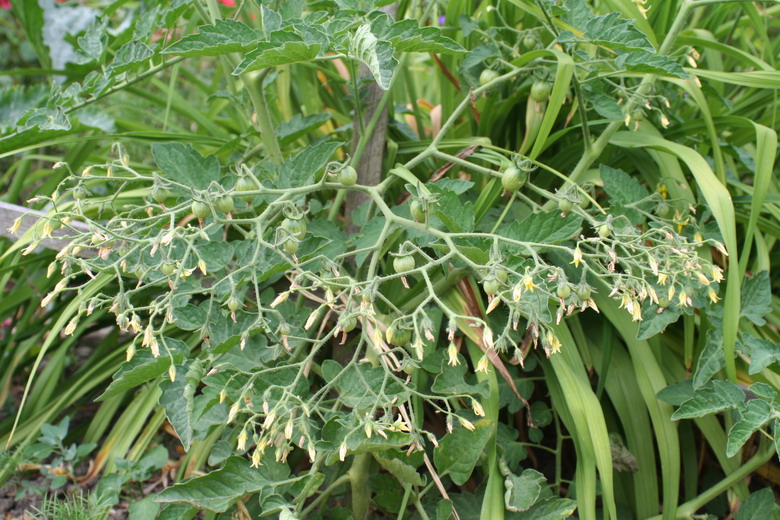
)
(493, 260)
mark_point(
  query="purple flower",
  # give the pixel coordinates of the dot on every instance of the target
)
(442, 20)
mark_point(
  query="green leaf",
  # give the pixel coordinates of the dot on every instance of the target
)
(647, 63)
(776, 435)
(275, 54)
(549, 509)
(762, 352)
(711, 359)
(376, 54)
(189, 317)
(218, 490)
(405, 473)
(30, 14)
(183, 164)
(177, 512)
(143, 509)
(677, 393)
(444, 510)
(757, 298)
(763, 390)
(523, 491)
(129, 55)
(760, 505)
(144, 367)
(451, 381)
(298, 126)
(610, 30)
(359, 385)
(620, 186)
(177, 399)
(454, 214)
(714, 397)
(301, 169)
(752, 416)
(543, 228)
(223, 37)
(459, 451)
(654, 322)
(408, 36)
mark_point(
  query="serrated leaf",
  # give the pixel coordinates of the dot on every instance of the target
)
(454, 214)
(129, 55)
(523, 491)
(763, 390)
(654, 322)
(762, 352)
(757, 298)
(273, 54)
(177, 399)
(359, 385)
(184, 164)
(451, 381)
(49, 119)
(218, 490)
(760, 505)
(144, 367)
(609, 30)
(405, 473)
(549, 509)
(300, 169)
(647, 63)
(711, 359)
(752, 416)
(459, 451)
(16, 101)
(677, 393)
(620, 186)
(408, 36)
(376, 54)
(223, 37)
(298, 126)
(715, 396)
(543, 228)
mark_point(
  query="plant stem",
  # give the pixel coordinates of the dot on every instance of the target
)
(264, 121)
(343, 479)
(361, 493)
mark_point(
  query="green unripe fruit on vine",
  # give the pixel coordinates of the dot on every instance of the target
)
(225, 204)
(80, 193)
(233, 304)
(349, 324)
(244, 184)
(540, 90)
(201, 209)
(563, 291)
(584, 202)
(403, 264)
(291, 246)
(663, 209)
(487, 76)
(347, 176)
(529, 42)
(491, 286)
(417, 209)
(167, 268)
(565, 205)
(295, 227)
(284, 329)
(397, 336)
(501, 275)
(583, 292)
(663, 302)
(160, 195)
(513, 179)
(604, 231)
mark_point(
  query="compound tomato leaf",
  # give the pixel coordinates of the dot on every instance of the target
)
(459, 451)
(182, 163)
(523, 491)
(713, 397)
(223, 37)
(752, 416)
(144, 367)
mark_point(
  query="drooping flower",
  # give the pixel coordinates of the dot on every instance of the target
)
(577, 257)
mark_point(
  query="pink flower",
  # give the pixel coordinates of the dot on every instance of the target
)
(5, 4)
(228, 3)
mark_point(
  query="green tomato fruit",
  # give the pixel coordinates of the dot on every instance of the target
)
(244, 184)
(583, 292)
(491, 286)
(513, 179)
(604, 231)
(403, 264)
(347, 176)
(540, 91)
(233, 304)
(584, 202)
(225, 204)
(80, 192)
(160, 195)
(201, 209)
(417, 209)
(397, 336)
(291, 246)
(487, 76)
(296, 227)
(663, 301)
(565, 205)
(167, 268)
(663, 209)
(284, 329)
(502, 275)
(349, 324)
(529, 42)
(563, 291)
